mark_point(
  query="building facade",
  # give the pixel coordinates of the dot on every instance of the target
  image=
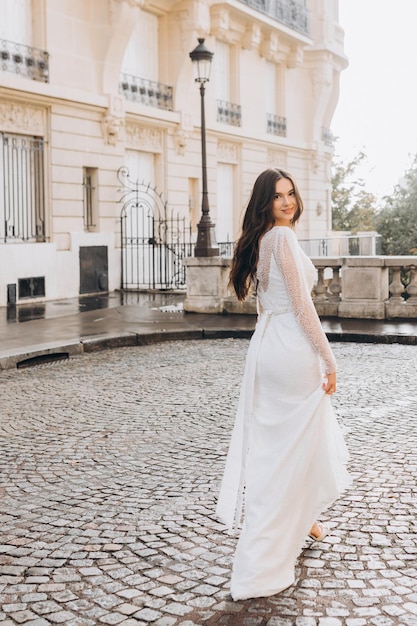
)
(88, 87)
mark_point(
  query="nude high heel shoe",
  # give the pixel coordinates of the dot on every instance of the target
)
(323, 533)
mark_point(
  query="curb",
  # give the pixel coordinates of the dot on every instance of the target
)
(353, 337)
(50, 352)
(39, 354)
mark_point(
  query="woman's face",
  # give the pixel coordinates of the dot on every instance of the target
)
(284, 205)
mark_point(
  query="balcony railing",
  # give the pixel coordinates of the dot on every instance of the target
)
(24, 60)
(276, 125)
(146, 91)
(288, 12)
(229, 113)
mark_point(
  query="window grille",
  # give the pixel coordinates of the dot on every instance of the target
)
(22, 188)
(89, 198)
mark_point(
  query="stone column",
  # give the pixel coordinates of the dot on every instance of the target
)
(364, 288)
(327, 292)
(207, 279)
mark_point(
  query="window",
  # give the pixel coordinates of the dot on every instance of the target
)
(90, 208)
(141, 166)
(31, 287)
(141, 57)
(276, 124)
(221, 62)
(16, 34)
(227, 112)
(16, 21)
(271, 87)
(140, 66)
(22, 189)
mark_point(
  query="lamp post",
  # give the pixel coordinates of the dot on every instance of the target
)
(206, 245)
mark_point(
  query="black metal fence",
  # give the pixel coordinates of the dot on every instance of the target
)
(292, 13)
(22, 188)
(154, 240)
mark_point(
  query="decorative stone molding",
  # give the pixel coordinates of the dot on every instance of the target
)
(185, 23)
(131, 3)
(144, 138)
(116, 7)
(116, 105)
(225, 28)
(193, 22)
(272, 49)
(111, 127)
(227, 152)
(252, 38)
(315, 161)
(295, 57)
(276, 158)
(18, 118)
(220, 23)
(321, 77)
(181, 138)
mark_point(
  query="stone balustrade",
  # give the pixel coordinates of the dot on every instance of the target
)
(360, 287)
(378, 287)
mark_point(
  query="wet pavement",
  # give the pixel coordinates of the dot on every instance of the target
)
(111, 459)
(110, 464)
(30, 333)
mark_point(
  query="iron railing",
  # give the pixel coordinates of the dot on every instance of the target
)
(229, 113)
(24, 60)
(226, 248)
(146, 91)
(22, 188)
(343, 246)
(154, 240)
(276, 125)
(288, 12)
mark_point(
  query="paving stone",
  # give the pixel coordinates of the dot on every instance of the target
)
(148, 615)
(177, 609)
(117, 521)
(166, 621)
(113, 618)
(21, 617)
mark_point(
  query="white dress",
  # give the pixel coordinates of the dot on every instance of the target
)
(287, 454)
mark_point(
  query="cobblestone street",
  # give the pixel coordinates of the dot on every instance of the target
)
(110, 467)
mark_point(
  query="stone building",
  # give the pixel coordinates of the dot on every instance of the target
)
(91, 86)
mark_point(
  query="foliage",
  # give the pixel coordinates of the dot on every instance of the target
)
(353, 208)
(397, 220)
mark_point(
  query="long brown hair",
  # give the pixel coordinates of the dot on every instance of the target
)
(258, 219)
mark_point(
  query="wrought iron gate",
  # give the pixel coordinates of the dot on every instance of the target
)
(154, 241)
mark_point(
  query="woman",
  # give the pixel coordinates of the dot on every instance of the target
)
(286, 453)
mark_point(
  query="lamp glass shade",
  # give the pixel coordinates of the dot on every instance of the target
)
(201, 58)
(202, 69)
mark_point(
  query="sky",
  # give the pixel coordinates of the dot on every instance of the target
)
(377, 108)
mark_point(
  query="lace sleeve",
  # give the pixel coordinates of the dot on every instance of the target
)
(288, 260)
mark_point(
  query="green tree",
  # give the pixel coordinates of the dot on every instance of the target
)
(397, 219)
(353, 208)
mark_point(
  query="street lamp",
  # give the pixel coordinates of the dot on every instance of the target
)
(206, 237)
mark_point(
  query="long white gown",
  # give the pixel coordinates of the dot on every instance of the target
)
(287, 454)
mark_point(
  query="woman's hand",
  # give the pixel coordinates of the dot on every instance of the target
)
(329, 384)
